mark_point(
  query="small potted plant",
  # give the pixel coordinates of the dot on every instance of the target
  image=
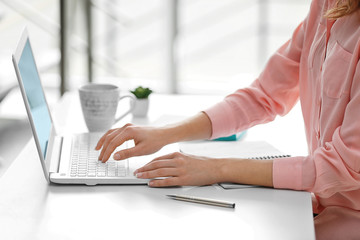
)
(142, 101)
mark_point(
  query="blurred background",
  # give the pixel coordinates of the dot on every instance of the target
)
(171, 46)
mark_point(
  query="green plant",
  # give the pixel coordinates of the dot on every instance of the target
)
(141, 92)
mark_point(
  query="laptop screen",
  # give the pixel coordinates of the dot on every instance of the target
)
(35, 96)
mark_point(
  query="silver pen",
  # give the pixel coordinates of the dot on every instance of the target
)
(211, 202)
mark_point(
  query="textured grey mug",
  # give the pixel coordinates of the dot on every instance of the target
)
(99, 104)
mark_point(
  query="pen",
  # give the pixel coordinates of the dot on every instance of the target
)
(202, 201)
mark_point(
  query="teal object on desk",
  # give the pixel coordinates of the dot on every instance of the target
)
(233, 137)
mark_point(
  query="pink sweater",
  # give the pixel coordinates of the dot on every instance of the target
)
(320, 66)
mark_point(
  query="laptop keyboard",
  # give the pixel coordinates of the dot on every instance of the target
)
(85, 163)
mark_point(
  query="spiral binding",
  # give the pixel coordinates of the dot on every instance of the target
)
(270, 157)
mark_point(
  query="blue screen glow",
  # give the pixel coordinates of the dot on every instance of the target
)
(35, 96)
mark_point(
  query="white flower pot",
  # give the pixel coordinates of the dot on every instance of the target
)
(141, 107)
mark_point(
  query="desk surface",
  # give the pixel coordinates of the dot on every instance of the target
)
(32, 209)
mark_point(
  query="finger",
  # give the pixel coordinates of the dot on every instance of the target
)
(158, 173)
(167, 182)
(170, 161)
(156, 165)
(110, 135)
(112, 145)
(168, 156)
(108, 138)
(102, 139)
(126, 153)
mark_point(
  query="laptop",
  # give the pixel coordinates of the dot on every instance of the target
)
(64, 159)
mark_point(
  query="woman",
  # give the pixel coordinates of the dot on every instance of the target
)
(320, 66)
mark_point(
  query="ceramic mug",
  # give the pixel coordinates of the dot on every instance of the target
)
(99, 104)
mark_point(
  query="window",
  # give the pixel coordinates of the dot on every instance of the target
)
(219, 45)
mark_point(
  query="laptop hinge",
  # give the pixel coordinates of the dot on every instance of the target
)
(56, 154)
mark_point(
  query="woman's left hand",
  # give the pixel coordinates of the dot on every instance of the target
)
(178, 169)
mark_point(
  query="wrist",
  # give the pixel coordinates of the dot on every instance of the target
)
(167, 135)
(246, 171)
(221, 169)
(195, 128)
(224, 169)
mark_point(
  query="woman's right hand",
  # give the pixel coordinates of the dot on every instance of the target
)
(147, 140)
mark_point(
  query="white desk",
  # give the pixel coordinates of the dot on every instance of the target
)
(32, 209)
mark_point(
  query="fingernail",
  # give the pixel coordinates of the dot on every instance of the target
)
(151, 183)
(138, 175)
(117, 156)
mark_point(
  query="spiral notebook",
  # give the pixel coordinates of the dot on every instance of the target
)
(235, 149)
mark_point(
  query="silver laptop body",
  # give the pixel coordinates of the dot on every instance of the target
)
(57, 152)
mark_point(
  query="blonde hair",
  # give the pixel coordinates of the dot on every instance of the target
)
(343, 8)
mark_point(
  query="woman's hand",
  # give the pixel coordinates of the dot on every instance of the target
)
(178, 169)
(147, 140)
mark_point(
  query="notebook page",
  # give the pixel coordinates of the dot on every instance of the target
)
(231, 149)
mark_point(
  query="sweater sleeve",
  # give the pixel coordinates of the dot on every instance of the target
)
(275, 92)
